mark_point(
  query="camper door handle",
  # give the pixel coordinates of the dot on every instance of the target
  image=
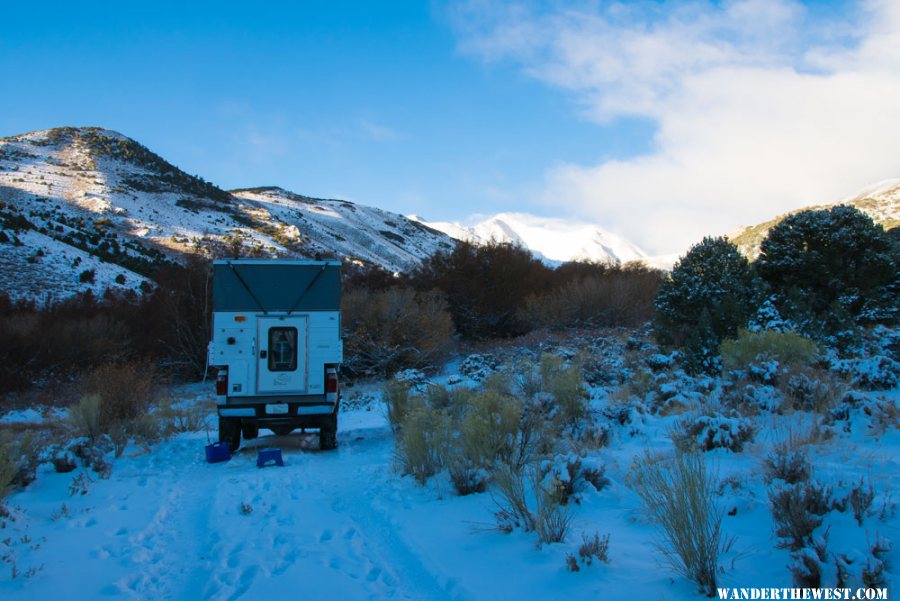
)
(262, 354)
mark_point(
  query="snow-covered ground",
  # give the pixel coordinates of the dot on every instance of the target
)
(346, 524)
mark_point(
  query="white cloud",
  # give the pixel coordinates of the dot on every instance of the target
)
(761, 106)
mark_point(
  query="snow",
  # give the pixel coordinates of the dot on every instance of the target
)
(553, 239)
(346, 524)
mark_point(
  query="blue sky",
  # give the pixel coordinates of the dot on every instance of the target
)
(454, 109)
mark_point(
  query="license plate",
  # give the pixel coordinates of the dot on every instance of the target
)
(279, 409)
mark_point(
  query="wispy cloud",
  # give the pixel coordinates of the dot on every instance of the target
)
(761, 105)
(378, 132)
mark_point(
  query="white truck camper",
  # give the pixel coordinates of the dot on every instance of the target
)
(276, 345)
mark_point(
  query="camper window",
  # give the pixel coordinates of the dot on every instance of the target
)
(282, 349)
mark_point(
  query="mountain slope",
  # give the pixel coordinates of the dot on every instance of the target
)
(347, 229)
(554, 240)
(880, 201)
(87, 208)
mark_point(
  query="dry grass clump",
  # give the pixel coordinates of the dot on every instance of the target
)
(679, 495)
(594, 548)
(184, 418)
(125, 391)
(552, 516)
(7, 467)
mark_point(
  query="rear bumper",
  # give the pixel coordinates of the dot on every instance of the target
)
(307, 410)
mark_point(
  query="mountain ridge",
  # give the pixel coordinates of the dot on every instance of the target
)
(89, 208)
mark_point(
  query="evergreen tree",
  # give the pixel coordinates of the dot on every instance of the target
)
(829, 268)
(711, 292)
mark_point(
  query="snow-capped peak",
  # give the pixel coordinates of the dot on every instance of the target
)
(553, 239)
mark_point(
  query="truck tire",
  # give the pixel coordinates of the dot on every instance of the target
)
(250, 430)
(328, 434)
(230, 432)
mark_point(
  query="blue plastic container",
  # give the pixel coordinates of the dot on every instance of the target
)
(218, 451)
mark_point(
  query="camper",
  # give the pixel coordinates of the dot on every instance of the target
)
(276, 345)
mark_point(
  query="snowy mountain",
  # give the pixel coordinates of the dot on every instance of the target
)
(90, 208)
(553, 240)
(880, 201)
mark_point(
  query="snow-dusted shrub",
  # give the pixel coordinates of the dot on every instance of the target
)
(870, 373)
(566, 385)
(711, 292)
(390, 329)
(567, 475)
(708, 432)
(488, 430)
(749, 398)
(797, 510)
(679, 495)
(788, 464)
(477, 367)
(423, 441)
(883, 413)
(806, 568)
(594, 548)
(873, 575)
(747, 348)
(659, 361)
(550, 381)
(860, 499)
(63, 462)
(808, 389)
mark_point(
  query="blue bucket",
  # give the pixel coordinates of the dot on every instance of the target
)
(218, 451)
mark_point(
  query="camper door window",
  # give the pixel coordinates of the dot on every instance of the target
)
(282, 349)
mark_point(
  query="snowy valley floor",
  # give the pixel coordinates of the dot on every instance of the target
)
(345, 524)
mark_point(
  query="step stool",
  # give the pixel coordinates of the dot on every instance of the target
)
(266, 455)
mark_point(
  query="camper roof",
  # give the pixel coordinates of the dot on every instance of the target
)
(279, 285)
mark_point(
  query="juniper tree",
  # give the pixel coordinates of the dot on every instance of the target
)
(711, 292)
(829, 267)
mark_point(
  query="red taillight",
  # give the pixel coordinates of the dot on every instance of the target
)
(331, 381)
(222, 382)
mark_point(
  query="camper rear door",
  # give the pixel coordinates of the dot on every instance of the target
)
(282, 362)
